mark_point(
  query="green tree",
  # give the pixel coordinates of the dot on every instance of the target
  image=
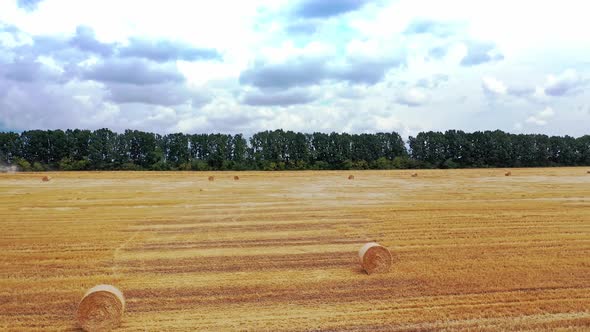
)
(9, 147)
(23, 165)
(102, 149)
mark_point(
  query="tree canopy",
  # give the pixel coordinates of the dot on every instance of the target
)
(104, 149)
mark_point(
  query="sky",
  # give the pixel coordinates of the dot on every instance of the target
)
(304, 65)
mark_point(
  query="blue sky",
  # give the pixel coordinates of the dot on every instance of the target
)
(305, 65)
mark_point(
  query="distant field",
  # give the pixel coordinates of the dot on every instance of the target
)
(277, 251)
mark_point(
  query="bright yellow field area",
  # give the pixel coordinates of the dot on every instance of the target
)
(277, 251)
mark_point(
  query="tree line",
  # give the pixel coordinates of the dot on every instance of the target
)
(103, 149)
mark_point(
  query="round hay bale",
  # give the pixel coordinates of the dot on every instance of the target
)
(508, 173)
(46, 178)
(587, 172)
(236, 178)
(211, 178)
(101, 308)
(351, 177)
(414, 175)
(375, 258)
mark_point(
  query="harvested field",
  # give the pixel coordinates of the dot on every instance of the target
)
(278, 251)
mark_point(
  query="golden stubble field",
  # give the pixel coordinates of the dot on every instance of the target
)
(473, 249)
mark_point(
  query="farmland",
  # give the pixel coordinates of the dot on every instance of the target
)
(277, 251)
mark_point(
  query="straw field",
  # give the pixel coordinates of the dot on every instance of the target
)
(279, 251)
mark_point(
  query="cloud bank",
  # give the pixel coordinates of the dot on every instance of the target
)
(308, 65)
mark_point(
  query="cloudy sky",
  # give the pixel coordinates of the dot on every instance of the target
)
(306, 65)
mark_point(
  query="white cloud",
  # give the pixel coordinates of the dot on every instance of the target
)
(566, 83)
(372, 49)
(388, 123)
(539, 94)
(546, 113)
(361, 96)
(412, 97)
(542, 117)
(535, 120)
(493, 86)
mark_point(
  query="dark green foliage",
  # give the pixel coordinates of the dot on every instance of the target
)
(69, 164)
(23, 165)
(9, 147)
(38, 167)
(455, 149)
(103, 149)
